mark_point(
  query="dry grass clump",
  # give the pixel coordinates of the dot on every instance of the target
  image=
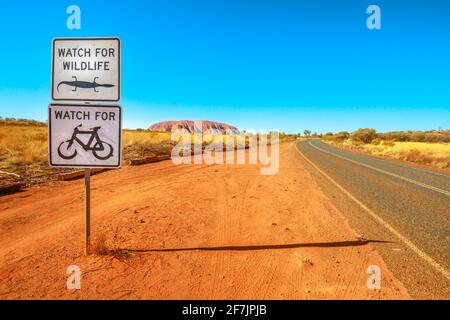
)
(142, 143)
(442, 136)
(424, 147)
(140, 137)
(21, 122)
(100, 245)
(435, 154)
(22, 145)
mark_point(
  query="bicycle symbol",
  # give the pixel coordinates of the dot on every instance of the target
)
(100, 149)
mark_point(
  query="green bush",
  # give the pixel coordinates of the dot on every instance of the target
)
(364, 135)
(341, 136)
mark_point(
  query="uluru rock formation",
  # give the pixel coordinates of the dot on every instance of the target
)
(189, 125)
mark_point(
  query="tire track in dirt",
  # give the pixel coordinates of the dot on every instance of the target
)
(240, 234)
(229, 204)
(181, 221)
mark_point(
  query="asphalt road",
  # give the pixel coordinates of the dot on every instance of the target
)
(405, 206)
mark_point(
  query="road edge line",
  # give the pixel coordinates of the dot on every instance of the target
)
(420, 184)
(407, 242)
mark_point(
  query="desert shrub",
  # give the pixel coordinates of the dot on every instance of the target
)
(430, 137)
(286, 136)
(403, 137)
(388, 143)
(376, 141)
(341, 136)
(364, 135)
(356, 143)
(444, 164)
(22, 145)
(415, 155)
(436, 137)
(100, 246)
(21, 122)
(412, 155)
(416, 136)
(328, 136)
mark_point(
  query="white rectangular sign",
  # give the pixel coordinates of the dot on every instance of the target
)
(86, 69)
(82, 136)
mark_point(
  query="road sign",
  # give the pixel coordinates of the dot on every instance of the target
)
(86, 69)
(83, 136)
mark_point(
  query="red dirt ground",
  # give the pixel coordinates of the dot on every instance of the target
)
(270, 237)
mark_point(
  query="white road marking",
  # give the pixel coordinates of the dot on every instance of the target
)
(408, 243)
(416, 169)
(384, 172)
(406, 167)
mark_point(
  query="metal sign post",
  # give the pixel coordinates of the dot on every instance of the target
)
(87, 222)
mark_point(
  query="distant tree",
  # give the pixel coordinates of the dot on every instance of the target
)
(341, 136)
(365, 135)
(307, 133)
(328, 136)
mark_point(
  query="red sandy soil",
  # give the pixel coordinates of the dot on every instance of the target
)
(293, 243)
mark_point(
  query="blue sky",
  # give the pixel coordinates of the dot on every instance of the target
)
(287, 65)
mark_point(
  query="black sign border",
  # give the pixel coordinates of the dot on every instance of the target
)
(119, 164)
(72, 39)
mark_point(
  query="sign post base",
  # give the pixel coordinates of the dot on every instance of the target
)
(87, 193)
